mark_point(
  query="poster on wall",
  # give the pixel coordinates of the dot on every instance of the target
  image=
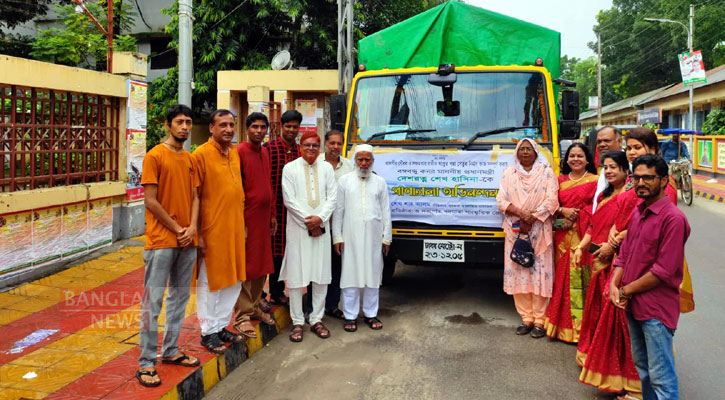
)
(47, 233)
(704, 153)
(136, 106)
(16, 240)
(308, 109)
(75, 228)
(692, 67)
(100, 222)
(721, 155)
(444, 189)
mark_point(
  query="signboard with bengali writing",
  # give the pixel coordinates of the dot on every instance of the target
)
(649, 116)
(444, 189)
(721, 155)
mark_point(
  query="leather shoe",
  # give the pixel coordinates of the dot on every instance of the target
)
(524, 329)
(538, 332)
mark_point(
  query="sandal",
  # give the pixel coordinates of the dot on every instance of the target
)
(246, 329)
(350, 325)
(374, 323)
(295, 334)
(263, 317)
(213, 343)
(320, 330)
(336, 313)
(230, 337)
(183, 360)
(152, 374)
(264, 306)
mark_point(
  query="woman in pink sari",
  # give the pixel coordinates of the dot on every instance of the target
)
(577, 184)
(527, 198)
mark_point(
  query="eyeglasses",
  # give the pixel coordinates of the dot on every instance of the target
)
(526, 150)
(310, 145)
(646, 178)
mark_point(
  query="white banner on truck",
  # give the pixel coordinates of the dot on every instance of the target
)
(444, 189)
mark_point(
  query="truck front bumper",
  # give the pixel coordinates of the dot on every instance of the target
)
(479, 252)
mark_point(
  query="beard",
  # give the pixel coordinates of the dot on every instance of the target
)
(178, 139)
(363, 173)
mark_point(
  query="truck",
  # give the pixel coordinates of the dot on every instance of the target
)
(444, 97)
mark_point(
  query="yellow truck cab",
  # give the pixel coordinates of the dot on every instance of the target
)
(444, 133)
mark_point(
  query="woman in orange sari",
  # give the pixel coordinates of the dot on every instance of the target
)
(608, 367)
(577, 184)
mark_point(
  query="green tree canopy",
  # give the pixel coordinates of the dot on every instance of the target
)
(584, 73)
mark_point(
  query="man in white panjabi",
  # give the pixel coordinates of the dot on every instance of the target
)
(362, 233)
(309, 191)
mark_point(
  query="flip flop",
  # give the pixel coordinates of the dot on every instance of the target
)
(152, 374)
(180, 361)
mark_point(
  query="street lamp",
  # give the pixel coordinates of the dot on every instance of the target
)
(689, 44)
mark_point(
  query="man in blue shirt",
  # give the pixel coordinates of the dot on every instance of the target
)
(669, 149)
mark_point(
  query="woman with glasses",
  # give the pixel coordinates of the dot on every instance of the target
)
(605, 365)
(577, 184)
(641, 141)
(528, 200)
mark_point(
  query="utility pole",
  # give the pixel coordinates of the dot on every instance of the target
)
(345, 44)
(599, 79)
(108, 32)
(689, 44)
(185, 56)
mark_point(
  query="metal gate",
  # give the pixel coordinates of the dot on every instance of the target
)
(54, 138)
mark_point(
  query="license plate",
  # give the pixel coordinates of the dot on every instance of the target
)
(443, 250)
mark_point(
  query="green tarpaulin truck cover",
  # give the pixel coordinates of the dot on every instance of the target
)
(460, 34)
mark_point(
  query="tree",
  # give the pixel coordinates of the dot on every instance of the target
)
(80, 43)
(715, 123)
(13, 14)
(640, 56)
(234, 35)
(584, 73)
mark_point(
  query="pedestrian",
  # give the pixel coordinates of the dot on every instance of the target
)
(647, 277)
(172, 209)
(674, 149)
(362, 233)
(609, 139)
(334, 142)
(577, 184)
(221, 267)
(281, 151)
(603, 348)
(260, 222)
(309, 190)
(527, 198)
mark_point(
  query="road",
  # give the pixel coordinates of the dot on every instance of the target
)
(449, 334)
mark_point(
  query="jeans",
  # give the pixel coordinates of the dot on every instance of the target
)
(654, 358)
(174, 266)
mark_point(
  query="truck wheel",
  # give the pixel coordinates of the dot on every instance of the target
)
(389, 270)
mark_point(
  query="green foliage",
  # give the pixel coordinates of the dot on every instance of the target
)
(584, 73)
(638, 56)
(715, 123)
(80, 42)
(245, 35)
(650, 125)
(14, 13)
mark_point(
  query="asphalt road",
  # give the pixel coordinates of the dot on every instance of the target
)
(449, 335)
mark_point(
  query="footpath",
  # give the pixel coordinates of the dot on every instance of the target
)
(709, 190)
(74, 335)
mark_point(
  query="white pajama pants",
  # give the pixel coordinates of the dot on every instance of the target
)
(351, 302)
(214, 309)
(319, 292)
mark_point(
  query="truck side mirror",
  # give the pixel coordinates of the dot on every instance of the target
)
(570, 105)
(338, 112)
(569, 129)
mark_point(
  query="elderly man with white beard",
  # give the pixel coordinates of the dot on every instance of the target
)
(362, 232)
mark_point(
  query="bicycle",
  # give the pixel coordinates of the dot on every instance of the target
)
(680, 171)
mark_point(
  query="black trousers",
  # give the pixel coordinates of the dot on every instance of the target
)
(276, 288)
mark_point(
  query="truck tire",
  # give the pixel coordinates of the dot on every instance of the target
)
(389, 270)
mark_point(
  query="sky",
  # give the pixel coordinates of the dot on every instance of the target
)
(573, 18)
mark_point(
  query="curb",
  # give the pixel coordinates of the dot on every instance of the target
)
(208, 374)
(708, 196)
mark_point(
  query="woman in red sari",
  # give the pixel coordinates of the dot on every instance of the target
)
(604, 365)
(577, 184)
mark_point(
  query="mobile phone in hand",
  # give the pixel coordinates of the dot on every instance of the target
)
(594, 247)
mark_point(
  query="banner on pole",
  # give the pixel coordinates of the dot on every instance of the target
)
(692, 67)
(593, 102)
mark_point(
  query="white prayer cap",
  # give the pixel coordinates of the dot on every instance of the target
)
(364, 147)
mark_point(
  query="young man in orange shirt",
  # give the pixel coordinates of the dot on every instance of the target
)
(172, 208)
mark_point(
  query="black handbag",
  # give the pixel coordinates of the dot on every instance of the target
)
(523, 252)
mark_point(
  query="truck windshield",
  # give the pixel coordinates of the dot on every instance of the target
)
(408, 109)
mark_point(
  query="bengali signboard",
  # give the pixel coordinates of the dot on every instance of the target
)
(721, 155)
(444, 189)
(649, 116)
(692, 67)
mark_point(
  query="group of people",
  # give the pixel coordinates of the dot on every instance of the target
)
(222, 219)
(609, 271)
